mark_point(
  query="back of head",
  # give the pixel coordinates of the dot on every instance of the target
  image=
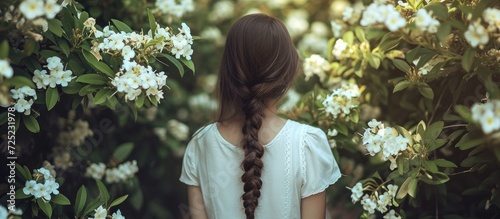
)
(258, 66)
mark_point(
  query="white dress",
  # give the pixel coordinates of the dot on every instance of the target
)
(298, 163)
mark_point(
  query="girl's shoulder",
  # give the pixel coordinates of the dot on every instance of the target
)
(305, 130)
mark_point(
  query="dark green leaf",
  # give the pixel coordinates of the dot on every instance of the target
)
(189, 64)
(94, 79)
(433, 131)
(152, 22)
(468, 59)
(103, 191)
(31, 123)
(20, 169)
(466, 142)
(21, 195)
(123, 151)
(174, 61)
(443, 31)
(45, 206)
(4, 49)
(401, 65)
(435, 178)
(403, 191)
(118, 201)
(102, 95)
(412, 188)
(102, 67)
(21, 81)
(444, 163)
(426, 91)
(51, 97)
(60, 199)
(439, 10)
(430, 166)
(464, 112)
(388, 42)
(55, 26)
(401, 85)
(121, 26)
(81, 199)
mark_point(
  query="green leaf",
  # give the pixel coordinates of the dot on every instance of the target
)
(426, 91)
(51, 97)
(433, 131)
(360, 34)
(20, 169)
(430, 166)
(466, 142)
(28, 173)
(121, 26)
(60, 199)
(403, 191)
(4, 49)
(468, 59)
(439, 10)
(72, 88)
(388, 42)
(434, 178)
(94, 79)
(81, 199)
(348, 38)
(103, 191)
(139, 101)
(189, 64)
(21, 81)
(444, 163)
(55, 26)
(174, 61)
(412, 188)
(92, 206)
(401, 85)
(123, 151)
(118, 201)
(101, 96)
(64, 46)
(401, 65)
(152, 22)
(31, 123)
(443, 31)
(30, 45)
(102, 67)
(45, 206)
(464, 112)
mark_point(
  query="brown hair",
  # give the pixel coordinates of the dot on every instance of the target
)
(258, 65)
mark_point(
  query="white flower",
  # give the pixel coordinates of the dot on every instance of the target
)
(336, 29)
(43, 192)
(51, 8)
(179, 130)
(23, 106)
(368, 204)
(54, 63)
(89, 23)
(370, 15)
(425, 22)
(96, 170)
(339, 48)
(316, 65)
(31, 8)
(391, 215)
(394, 21)
(476, 34)
(5, 69)
(46, 173)
(65, 78)
(117, 215)
(52, 186)
(128, 53)
(487, 115)
(492, 17)
(490, 122)
(39, 77)
(374, 123)
(297, 22)
(222, 10)
(30, 187)
(121, 173)
(100, 213)
(333, 132)
(342, 100)
(392, 189)
(357, 192)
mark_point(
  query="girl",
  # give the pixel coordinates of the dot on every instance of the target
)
(251, 163)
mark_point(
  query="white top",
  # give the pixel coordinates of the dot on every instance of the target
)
(298, 163)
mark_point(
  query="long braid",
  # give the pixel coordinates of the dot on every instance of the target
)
(252, 163)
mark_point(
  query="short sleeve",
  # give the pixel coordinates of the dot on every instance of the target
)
(189, 173)
(319, 168)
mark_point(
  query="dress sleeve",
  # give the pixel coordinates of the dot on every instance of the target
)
(319, 168)
(189, 173)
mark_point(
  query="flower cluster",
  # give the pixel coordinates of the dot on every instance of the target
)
(316, 39)
(113, 175)
(342, 100)
(374, 201)
(179, 130)
(425, 22)
(478, 35)
(487, 115)
(42, 186)
(222, 10)
(32, 9)
(5, 69)
(135, 78)
(102, 213)
(56, 76)
(340, 50)
(316, 65)
(73, 132)
(297, 22)
(383, 13)
(378, 138)
(25, 97)
(171, 7)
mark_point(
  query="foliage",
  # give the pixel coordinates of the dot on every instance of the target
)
(434, 79)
